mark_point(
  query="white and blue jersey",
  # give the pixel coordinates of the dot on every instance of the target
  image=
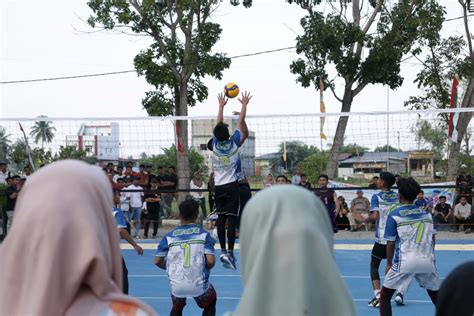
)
(119, 218)
(184, 249)
(383, 202)
(227, 164)
(411, 228)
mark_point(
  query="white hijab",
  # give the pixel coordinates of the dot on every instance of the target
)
(287, 263)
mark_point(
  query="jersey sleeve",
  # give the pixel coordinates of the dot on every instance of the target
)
(120, 219)
(390, 229)
(209, 245)
(237, 137)
(374, 203)
(163, 248)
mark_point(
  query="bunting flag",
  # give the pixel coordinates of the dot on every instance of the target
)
(28, 149)
(284, 151)
(322, 108)
(178, 139)
(455, 102)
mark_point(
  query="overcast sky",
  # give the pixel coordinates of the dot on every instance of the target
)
(42, 39)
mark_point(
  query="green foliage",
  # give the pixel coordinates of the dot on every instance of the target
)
(196, 161)
(18, 154)
(69, 152)
(4, 144)
(314, 165)
(42, 131)
(181, 53)
(296, 152)
(431, 136)
(384, 149)
(354, 149)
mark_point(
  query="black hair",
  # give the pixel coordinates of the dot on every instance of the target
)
(408, 188)
(221, 131)
(120, 166)
(15, 177)
(110, 164)
(442, 197)
(120, 179)
(172, 167)
(388, 179)
(421, 191)
(141, 166)
(437, 177)
(282, 176)
(323, 176)
(189, 209)
(27, 166)
(160, 167)
(375, 177)
(303, 175)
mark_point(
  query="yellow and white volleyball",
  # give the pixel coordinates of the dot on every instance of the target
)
(231, 90)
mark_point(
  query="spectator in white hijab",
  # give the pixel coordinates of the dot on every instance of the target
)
(288, 266)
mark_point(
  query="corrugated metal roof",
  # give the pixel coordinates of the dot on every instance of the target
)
(376, 157)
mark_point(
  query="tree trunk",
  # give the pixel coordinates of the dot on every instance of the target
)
(463, 123)
(182, 142)
(338, 142)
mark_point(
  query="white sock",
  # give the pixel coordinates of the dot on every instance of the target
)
(377, 293)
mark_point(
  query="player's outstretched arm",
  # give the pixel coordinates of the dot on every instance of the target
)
(241, 124)
(125, 235)
(222, 102)
(243, 128)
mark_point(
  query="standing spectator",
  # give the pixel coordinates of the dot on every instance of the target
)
(142, 177)
(442, 211)
(152, 202)
(296, 179)
(169, 182)
(360, 208)
(304, 182)
(26, 172)
(4, 173)
(12, 195)
(165, 209)
(373, 183)
(341, 220)
(464, 185)
(422, 202)
(212, 193)
(329, 198)
(281, 179)
(268, 182)
(197, 184)
(437, 179)
(129, 174)
(149, 172)
(110, 170)
(462, 215)
(134, 197)
(118, 174)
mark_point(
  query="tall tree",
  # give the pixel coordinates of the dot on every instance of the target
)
(177, 60)
(4, 144)
(296, 152)
(42, 131)
(364, 42)
(431, 136)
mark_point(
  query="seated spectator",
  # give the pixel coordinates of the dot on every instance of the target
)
(462, 215)
(373, 183)
(455, 294)
(341, 220)
(359, 206)
(268, 180)
(422, 202)
(442, 211)
(274, 282)
(281, 179)
(77, 268)
(304, 182)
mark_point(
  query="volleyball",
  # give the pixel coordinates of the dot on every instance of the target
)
(231, 90)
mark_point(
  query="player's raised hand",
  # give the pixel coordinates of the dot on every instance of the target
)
(222, 100)
(245, 98)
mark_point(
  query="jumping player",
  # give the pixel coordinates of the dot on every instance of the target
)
(409, 230)
(227, 173)
(187, 254)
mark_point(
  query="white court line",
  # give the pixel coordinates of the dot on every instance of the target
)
(238, 276)
(231, 298)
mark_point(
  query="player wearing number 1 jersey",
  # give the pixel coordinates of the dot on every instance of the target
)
(410, 239)
(187, 254)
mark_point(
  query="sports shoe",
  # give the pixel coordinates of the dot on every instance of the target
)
(399, 299)
(225, 260)
(374, 302)
(232, 261)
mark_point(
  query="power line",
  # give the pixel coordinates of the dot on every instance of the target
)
(129, 71)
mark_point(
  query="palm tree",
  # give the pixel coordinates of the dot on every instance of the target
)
(4, 143)
(42, 130)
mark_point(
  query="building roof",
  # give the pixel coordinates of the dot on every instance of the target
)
(376, 157)
(269, 156)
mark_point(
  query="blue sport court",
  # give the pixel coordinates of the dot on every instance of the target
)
(150, 284)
